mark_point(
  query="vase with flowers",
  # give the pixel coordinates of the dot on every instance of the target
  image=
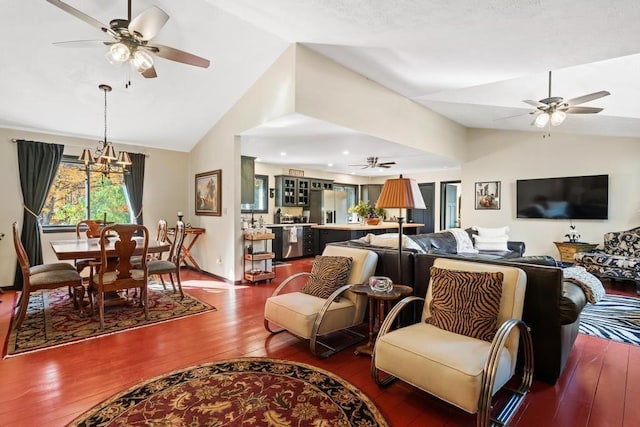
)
(367, 213)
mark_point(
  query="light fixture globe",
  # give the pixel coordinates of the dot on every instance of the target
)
(141, 61)
(542, 120)
(118, 53)
(557, 117)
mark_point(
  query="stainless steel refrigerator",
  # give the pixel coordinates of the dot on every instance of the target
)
(328, 207)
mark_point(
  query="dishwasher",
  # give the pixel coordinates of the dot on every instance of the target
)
(292, 241)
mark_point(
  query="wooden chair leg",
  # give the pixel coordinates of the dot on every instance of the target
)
(179, 283)
(173, 285)
(22, 309)
(101, 308)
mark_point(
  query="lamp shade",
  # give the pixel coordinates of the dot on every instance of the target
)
(401, 193)
(86, 157)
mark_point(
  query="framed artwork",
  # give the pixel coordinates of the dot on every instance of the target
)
(488, 195)
(209, 193)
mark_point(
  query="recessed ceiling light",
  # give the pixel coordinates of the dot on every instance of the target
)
(345, 152)
(258, 159)
(353, 173)
(282, 153)
(330, 164)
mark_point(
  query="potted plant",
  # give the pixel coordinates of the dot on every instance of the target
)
(367, 212)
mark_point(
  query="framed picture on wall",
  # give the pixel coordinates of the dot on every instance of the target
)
(488, 195)
(209, 193)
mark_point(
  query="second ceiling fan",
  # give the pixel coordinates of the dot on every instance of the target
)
(131, 39)
(372, 162)
(554, 109)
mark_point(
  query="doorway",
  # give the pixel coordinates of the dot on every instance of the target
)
(425, 216)
(450, 202)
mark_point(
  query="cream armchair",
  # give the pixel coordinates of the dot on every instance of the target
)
(311, 317)
(460, 369)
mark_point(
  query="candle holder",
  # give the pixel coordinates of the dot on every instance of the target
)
(180, 215)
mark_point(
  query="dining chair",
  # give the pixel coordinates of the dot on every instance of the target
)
(170, 266)
(43, 276)
(92, 230)
(115, 269)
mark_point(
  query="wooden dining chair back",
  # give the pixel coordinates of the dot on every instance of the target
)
(92, 228)
(171, 266)
(44, 276)
(116, 271)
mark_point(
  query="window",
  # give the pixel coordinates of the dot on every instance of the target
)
(77, 194)
(261, 200)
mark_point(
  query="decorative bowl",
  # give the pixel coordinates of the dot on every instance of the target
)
(373, 221)
(380, 283)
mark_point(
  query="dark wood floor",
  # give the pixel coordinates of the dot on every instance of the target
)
(599, 387)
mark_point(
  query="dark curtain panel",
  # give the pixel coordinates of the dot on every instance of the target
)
(134, 183)
(38, 165)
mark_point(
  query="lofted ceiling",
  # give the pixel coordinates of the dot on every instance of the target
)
(474, 62)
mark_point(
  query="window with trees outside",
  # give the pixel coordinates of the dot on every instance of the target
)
(78, 194)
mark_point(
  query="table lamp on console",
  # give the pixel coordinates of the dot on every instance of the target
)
(400, 193)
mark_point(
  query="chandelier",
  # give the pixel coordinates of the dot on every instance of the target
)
(104, 153)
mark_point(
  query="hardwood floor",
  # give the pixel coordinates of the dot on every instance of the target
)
(599, 387)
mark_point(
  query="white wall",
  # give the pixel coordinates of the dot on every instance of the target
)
(164, 192)
(507, 156)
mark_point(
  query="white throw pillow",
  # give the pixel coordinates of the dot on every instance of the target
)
(494, 243)
(491, 232)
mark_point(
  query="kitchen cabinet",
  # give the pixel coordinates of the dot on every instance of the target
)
(370, 193)
(292, 191)
(321, 184)
(247, 180)
(308, 246)
(277, 243)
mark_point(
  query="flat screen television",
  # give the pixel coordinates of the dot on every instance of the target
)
(573, 197)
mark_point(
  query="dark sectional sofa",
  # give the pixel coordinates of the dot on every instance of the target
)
(551, 308)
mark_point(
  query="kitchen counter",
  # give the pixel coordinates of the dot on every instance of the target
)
(365, 227)
(297, 224)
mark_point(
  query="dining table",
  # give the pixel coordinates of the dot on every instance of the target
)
(82, 248)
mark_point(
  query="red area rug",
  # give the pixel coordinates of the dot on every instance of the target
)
(52, 319)
(239, 392)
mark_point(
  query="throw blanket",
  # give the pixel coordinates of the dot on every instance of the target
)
(590, 284)
(465, 245)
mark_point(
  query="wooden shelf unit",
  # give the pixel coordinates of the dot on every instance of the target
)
(263, 256)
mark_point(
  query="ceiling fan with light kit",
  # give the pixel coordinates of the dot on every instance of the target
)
(132, 39)
(553, 110)
(372, 162)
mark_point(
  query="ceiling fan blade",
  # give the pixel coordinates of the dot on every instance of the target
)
(148, 23)
(150, 73)
(586, 98)
(536, 104)
(515, 115)
(582, 110)
(83, 16)
(83, 43)
(178, 55)
(386, 164)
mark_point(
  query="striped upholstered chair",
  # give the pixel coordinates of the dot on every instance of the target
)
(314, 312)
(449, 355)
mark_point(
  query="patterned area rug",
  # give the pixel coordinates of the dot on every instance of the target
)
(615, 318)
(52, 320)
(248, 391)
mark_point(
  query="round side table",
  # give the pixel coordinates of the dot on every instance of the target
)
(379, 299)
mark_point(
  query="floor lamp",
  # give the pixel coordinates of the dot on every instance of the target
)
(400, 193)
